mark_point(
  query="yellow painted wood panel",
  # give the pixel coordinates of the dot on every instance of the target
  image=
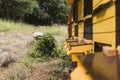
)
(81, 49)
(74, 57)
(81, 30)
(80, 9)
(80, 74)
(96, 3)
(105, 26)
(108, 38)
(104, 1)
(69, 1)
(105, 13)
(73, 32)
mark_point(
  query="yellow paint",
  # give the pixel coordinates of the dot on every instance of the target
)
(105, 13)
(73, 31)
(87, 17)
(81, 30)
(108, 38)
(74, 57)
(80, 9)
(80, 74)
(81, 49)
(96, 3)
(69, 1)
(80, 17)
(104, 26)
(104, 31)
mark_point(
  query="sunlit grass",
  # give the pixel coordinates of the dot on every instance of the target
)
(8, 26)
(56, 30)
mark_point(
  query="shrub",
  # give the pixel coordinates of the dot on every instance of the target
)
(61, 52)
(44, 46)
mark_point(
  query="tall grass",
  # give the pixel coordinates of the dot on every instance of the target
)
(56, 30)
(8, 25)
(53, 30)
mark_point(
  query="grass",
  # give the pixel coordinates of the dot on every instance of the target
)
(54, 30)
(28, 68)
(34, 70)
(8, 26)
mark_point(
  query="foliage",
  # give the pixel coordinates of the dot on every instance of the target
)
(61, 53)
(44, 46)
(49, 12)
(16, 9)
(57, 9)
(35, 11)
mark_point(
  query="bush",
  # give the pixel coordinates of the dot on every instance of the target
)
(47, 47)
(61, 52)
(44, 46)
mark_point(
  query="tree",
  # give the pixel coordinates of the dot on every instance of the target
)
(56, 9)
(16, 9)
(49, 12)
(35, 11)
